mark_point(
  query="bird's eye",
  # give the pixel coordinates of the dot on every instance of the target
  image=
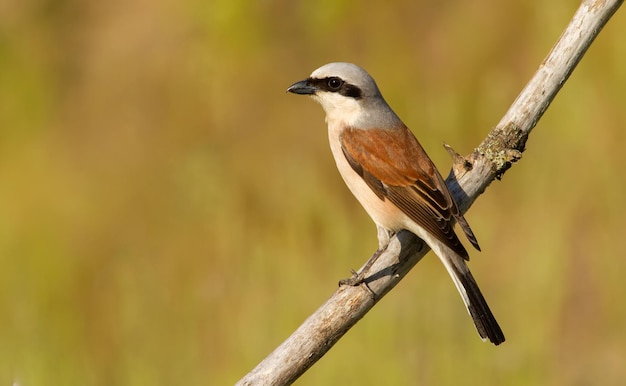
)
(335, 83)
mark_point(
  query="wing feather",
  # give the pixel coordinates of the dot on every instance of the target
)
(396, 167)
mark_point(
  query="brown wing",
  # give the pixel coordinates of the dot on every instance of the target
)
(396, 167)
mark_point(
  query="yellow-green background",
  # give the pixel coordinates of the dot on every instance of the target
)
(169, 215)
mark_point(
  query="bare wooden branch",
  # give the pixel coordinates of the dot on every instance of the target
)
(469, 177)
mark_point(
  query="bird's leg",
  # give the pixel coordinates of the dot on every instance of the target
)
(384, 236)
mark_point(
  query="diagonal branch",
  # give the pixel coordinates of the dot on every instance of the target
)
(469, 178)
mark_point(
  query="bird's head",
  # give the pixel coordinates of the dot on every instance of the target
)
(348, 94)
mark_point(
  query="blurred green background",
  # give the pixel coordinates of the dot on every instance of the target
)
(169, 214)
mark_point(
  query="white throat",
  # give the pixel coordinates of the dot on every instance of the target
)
(366, 113)
(341, 110)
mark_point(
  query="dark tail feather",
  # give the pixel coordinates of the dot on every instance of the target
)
(484, 320)
(467, 230)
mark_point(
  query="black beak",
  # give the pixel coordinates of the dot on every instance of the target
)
(302, 87)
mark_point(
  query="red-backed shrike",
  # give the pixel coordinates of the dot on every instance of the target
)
(390, 174)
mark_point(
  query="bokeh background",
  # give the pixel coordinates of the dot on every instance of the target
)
(169, 214)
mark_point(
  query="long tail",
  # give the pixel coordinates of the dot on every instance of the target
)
(476, 304)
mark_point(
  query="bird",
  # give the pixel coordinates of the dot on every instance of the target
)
(392, 177)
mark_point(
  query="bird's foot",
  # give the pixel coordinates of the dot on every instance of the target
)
(354, 280)
(359, 277)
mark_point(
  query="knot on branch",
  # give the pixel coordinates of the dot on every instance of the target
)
(460, 164)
